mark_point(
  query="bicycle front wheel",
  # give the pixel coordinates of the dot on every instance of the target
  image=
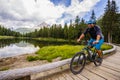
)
(77, 63)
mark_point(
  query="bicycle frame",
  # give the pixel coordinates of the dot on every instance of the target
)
(88, 49)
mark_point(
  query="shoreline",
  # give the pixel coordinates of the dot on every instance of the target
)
(19, 62)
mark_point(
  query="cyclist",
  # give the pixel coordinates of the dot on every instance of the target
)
(96, 35)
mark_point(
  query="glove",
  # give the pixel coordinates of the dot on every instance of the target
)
(96, 42)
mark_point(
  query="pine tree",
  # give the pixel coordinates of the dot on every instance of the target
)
(77, 26)
(109, 19)
(93, 16)
(7, 32)
(65, 31)
(71, 31)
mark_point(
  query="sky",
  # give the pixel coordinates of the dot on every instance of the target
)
(29, 13)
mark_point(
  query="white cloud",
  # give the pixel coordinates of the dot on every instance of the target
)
(80, 8)
(29, 13)
(118, 2)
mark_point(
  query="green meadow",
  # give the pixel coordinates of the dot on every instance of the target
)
(64, 51)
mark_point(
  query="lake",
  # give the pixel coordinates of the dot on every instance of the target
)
(14, 47)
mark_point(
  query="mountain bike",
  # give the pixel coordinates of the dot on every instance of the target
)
(89, 53)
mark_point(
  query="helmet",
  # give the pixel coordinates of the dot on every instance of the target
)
(91, 21)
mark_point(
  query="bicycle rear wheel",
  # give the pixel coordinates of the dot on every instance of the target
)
(98, 60)
(77, 63)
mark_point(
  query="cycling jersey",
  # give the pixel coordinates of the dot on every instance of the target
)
(94, 31)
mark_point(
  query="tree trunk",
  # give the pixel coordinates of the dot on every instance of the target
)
(109, 37)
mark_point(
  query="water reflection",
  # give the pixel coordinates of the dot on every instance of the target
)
(16, 48)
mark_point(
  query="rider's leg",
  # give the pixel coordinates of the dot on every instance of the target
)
(98, 46)
(99, 53)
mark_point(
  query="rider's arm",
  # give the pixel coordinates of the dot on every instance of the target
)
(98, 34)
(98, 38)
(81, 37)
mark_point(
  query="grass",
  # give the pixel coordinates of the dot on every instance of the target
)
(105, 47)
(64, 51)
(6, 37)
(50, 39)
(52, 52)
(4, 68)
(53, 39)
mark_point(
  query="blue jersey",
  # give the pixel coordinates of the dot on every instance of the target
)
(94, 31)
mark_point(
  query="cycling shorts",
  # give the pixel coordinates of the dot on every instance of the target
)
(98, 45)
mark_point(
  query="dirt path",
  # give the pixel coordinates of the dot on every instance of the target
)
(18, 62)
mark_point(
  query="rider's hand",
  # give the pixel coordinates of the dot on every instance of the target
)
(78, 40)
(95, 42)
